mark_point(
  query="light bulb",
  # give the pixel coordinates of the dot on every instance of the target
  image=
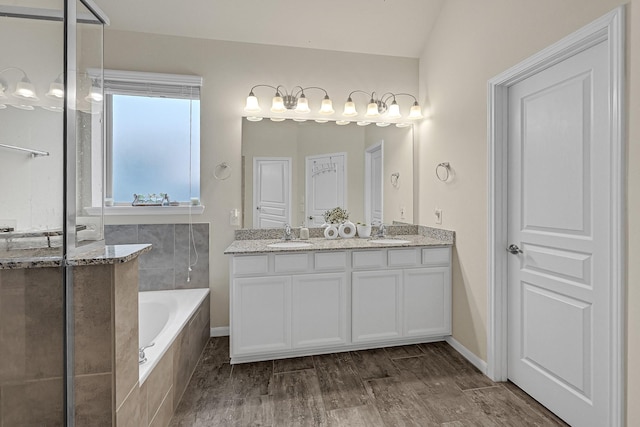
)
(327, 106)
(25, 89)
(254, 118)
(363, 123)
(303, 105)
(372, 109)
(277, 104)
(416, 112)
(403, 125)
(300, 120)
(349, 108)
(252, 105)
(394, 111)
(277, 119)
(342, 122)
(382, 124)
(321, 121)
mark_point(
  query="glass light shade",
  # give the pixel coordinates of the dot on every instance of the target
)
(2, 88)
(95, 95)
(327, 106)
(56, 90)
(342, 122)
(277, 105)
(54, 108)
(2, 106)
(23, 107)
(416, 112)
(252, 105)
(254, 119)
(363, 123)
(382, 124)
(321, 121)
(403, 125)
(300, 120)
(372, 110)
(349, 109)
(25, 89)
(394, 111)
(302, 106)
(277, 119)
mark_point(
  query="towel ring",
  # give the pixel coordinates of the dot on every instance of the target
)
(443, 176)
(222, 171)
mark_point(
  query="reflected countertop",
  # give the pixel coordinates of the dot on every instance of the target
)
(52, 257)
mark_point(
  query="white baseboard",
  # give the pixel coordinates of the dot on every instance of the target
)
(472, 358)
(219, 332)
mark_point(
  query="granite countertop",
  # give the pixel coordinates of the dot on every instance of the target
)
(52, 257)
(239, 247)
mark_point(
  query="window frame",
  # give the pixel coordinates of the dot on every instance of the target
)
(136, 83)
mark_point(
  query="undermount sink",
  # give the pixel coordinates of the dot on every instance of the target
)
(390, 241)
(284, 245)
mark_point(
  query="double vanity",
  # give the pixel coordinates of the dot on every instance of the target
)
(293, 299)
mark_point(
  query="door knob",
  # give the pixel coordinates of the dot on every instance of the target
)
(310, 217)
(514, 249)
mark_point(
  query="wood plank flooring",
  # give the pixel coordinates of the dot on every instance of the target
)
(419, 385)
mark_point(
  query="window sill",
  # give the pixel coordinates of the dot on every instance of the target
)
(147, 210)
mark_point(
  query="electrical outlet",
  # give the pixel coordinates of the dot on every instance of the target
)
(438, 215)
(402, 212)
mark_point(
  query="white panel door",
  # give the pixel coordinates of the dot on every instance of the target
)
(271, 192)
(373, 185)
(261, 315)
(376, 305)
(427, 301)
(326, 185)
(559, 164)
(319, 310)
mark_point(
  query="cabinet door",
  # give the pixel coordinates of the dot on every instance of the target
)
(376, 301)
(427, 302)
(261, 315)
(319, 310)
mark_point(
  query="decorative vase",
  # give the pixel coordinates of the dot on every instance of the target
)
(347, 230)
(331, 232)
(364, 231)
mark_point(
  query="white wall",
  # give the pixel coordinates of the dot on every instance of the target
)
(229, 71)
(472, 42)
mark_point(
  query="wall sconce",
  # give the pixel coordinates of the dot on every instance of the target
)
(24, 90)
(95, 93)
(56, 88)
(379, 106)
(284, 100)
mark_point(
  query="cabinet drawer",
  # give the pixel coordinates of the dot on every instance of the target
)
(330, 260)
(403, 257)
(291, 263)
(368, 259)
(436, 257)
(254, 264)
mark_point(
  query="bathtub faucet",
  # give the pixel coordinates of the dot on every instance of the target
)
(141, 356)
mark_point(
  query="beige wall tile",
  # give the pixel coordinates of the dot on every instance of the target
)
(126, 327)
(144, 404)
(165, 411)
(180, 365)
(33, 403)
(159, 382)
(92, 299)
(128, 414)
(93, 404)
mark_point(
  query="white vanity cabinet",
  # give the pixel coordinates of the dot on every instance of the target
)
(288, 304)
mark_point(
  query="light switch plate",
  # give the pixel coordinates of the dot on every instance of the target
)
(438, 215)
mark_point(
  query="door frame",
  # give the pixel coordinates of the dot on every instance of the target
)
(368, 152)
(610, 29)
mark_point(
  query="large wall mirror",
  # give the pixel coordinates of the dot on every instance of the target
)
(294, 171)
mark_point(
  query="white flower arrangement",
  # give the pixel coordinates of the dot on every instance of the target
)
(336, 215)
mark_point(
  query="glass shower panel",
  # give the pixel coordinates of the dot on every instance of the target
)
(31, 215)
(89, 128)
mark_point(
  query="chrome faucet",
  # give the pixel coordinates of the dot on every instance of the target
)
(287, 232)
(142, 358)
(382, 230)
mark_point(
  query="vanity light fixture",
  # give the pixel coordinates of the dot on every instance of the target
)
(95, 93)
(283, 100)
(24, 88)
(56, 88)
(384, 105)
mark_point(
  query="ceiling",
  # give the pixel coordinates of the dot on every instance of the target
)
(380, 27)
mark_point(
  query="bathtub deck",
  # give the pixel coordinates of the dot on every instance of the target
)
(422, 385)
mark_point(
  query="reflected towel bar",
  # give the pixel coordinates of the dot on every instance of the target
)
(34, 153)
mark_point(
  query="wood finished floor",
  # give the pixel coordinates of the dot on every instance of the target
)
(416, 385)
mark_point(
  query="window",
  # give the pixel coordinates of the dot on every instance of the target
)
(153, 136)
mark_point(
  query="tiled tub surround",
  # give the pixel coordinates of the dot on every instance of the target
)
(165, 267)
(105, 291)
(174, 357)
